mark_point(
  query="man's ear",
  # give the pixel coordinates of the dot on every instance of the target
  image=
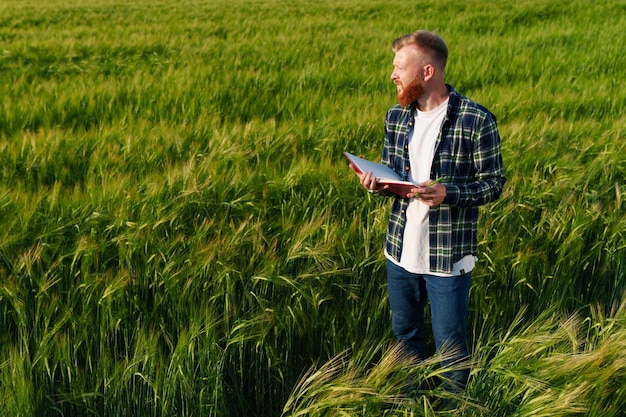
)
(428, 71)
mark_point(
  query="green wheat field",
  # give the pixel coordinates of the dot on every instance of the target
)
(180, 234)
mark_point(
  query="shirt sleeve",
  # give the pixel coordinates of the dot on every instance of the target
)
(488, 181)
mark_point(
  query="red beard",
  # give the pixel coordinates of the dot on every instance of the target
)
(409, 94)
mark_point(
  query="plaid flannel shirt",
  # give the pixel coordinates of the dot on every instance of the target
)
(468, 156)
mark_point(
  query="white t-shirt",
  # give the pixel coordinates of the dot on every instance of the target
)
(416, 249)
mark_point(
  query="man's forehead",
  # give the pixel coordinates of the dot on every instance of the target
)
(406, 54)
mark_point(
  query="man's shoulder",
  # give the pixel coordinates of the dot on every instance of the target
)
(463, 104)
(397, 109)
(398, 114)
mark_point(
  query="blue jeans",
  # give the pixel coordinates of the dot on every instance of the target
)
(448, 298)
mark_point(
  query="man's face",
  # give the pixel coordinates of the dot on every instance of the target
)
(406, 76)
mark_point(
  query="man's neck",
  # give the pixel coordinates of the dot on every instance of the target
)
(433, 99)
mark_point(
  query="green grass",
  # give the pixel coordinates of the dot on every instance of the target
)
(180, 234)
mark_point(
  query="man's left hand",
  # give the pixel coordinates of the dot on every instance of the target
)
(429, 195)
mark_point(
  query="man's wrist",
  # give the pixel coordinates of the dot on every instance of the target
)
(452, 195)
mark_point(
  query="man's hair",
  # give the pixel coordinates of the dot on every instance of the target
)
(427, 42)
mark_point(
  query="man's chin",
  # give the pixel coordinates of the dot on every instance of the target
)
(403, 101)
(410, 94)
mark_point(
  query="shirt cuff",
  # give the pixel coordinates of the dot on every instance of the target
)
(453, 194)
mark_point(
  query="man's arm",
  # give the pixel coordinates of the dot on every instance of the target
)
(488, 167)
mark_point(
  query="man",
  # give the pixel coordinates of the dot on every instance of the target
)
(435, 132)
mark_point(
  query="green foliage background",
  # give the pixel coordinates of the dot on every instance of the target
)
(180, 235)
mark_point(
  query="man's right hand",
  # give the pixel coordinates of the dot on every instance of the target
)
(369, 182)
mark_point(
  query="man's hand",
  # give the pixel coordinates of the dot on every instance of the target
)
(368, 181)
(429, 195)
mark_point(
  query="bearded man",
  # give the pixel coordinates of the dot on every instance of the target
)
(431, 245)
